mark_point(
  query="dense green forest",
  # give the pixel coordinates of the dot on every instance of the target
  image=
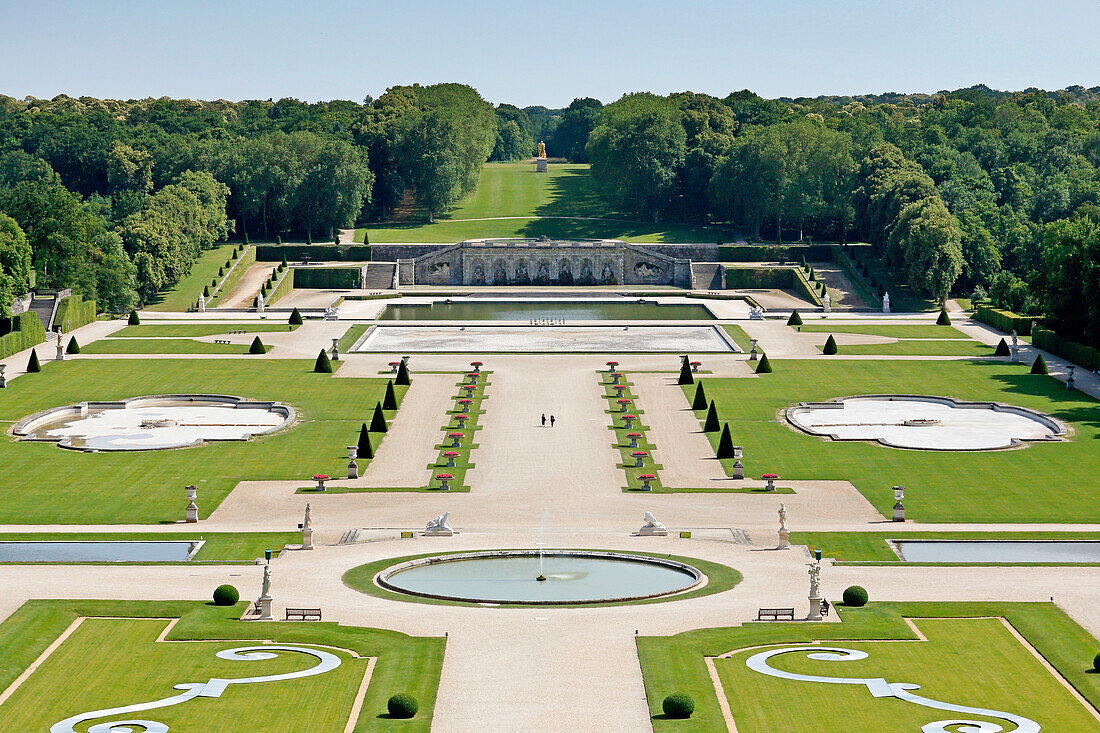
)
(973, 191)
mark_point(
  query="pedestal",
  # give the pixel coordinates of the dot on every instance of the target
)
(307, 539)
(540, 165)
(353, 469)
(60, 351)
(192, 513)
(899, 512)
(265, 608)
(784, 539)
(738, 470)
(653, 532)
(438, 532)
(815, 610)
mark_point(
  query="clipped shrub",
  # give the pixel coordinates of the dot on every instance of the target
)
(133, 320)
(765, 366)
(278, 239)
(710, 425)
(1096, 663)
(700, 401)
(226, 595)
(206, 291)
(402, 705)
(295, 318)
(309, 238)
(1039, 366)
(257, 347)
(830, 346)
(336, 238)
(389, 402)
(378, 420)
(855, 596)
(1002, 349)
(943, 319)
(811, 276)
(679, 705)
(365, 449)
(402, 377)
(322, 365)
(245, 239)
(725, 443)
(256, 302)
(685, 374)
(32, 363)
(73, 347)
(795, 319)
(221, 271)
(366, 237)
(881, 289)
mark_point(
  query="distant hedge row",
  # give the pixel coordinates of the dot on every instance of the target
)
(74, 312)
(775, 252)
(20, 332)
(1084, 356)
(313, 252)
(1003, 320)
(323, 278)
(786, 278)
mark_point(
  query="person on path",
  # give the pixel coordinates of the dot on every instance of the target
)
(544, 419)
(551, 421)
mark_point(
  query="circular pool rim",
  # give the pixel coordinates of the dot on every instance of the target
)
(381, 579)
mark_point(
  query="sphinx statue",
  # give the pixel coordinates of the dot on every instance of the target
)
(440, 526)
(652, 528)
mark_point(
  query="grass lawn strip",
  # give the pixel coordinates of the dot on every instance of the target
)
(193, 330)
(872, 548)
(465, 447)
(622, 442)
(219, 548)
(719, 578)
(919, 347)
(48, 485)
(351, 336)
(322, 702)
(1051, 482)
(739, 336)
(186, 292)
(163, 346)
(900, 331)
(972, 661)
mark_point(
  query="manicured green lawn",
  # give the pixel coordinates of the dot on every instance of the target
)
(86, 674)
(184, 294)
(162, 346)
(966, 661)
(530, 200)
(42, 483)
(1044, 482)
(192, 330)
(903, 331)
(916, 347)
(872, 547)
(219, 548)
(739, 336)
(351, 336)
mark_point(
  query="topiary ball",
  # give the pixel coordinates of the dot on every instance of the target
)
(226, 595)
(402, 705)
(678, 705)
(855, 596)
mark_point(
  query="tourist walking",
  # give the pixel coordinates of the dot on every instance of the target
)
(551, 421)
(544, 419)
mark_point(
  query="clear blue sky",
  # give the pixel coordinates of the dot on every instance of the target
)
(541, 53)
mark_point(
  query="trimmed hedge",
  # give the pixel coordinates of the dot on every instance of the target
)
(322, 365)
(133, 320)
(765, 366)
(943, 319)
(1003, 320)
(775, 252)
(795, 319)
(830, 346)
(378, 420)
(20, 332)
(73, 347)
(402, 706)
(1002, 349)
(226, 595)
(323, 278)
(679, 705)
(700, 401)
(295, 318)
(1085, 357)
(33, 366)
(725, 443)
(315, 252)
(710, 424)
(74, 312)
(855, 596)
(257, 347)
(283, 288)
(1039, 366)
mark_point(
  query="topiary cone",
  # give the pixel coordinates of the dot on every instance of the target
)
(389, 402)
(944, 319)
(257, 347)
(685, 374)
(725, 443)
(765, 366)
(1002, 349)
(710, 425)
(700, 401)
(32, 363)
(378, 420)
(73, 347)
(795, 319)
(322, 365)
(295, 318)
(365, 450)
(830, 346)
(133, 320)
(402, 377)
(1039, 366)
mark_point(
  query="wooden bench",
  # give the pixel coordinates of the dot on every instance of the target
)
(255, 609)
(775, 614)
(236, 332)
(306, 614)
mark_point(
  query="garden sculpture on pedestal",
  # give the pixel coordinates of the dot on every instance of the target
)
(652, 528)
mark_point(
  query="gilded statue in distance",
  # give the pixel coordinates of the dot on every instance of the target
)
(542, 149)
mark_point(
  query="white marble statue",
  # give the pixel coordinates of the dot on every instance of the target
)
(886, 303)
(651, 521)
(202, 303)
(441, 525)
(265, 589)
(782, 517)
(307, 523)
(260, 303)
(826, 302)
(652, 528)
(815, 580)
(1015, 346)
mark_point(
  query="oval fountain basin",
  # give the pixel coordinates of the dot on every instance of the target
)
(510, 576)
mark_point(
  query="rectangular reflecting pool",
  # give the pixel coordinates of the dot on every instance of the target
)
(98, 551)
(576, 310)
(998, 551)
